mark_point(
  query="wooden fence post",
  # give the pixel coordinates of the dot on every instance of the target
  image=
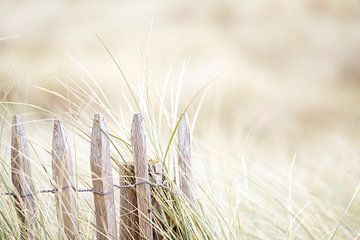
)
(129, 220)
(102, 181)
(156, 175)
(21, 178)
(64, 180)
(184, 158)
(138, 142)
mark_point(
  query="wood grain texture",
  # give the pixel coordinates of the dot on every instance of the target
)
(129, 221)
(138, 141)
(184, 158)
(21, 178)
(102, 181)
(156, 176)
(63, 177)
(156, 173)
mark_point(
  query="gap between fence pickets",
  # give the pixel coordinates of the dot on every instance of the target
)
(103, 187)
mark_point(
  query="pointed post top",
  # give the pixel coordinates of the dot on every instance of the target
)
(60, 140)
(98, 116)
(57, 123)
(99, 126)
(58, 128)
(99, 121)
(99, 140)
(184, 124)
(17, 127)
(137, 118)
(137, 129)
(15, 119)
(184, 134)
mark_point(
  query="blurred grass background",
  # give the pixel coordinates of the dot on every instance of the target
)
(285, 78)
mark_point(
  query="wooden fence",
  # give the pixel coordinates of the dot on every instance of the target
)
(136, 220)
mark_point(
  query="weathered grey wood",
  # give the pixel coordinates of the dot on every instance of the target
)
(184, 158)
(156, 175)
(102, 181)
(21, 178)
(64, 182)
(138, 141)
(129, 221)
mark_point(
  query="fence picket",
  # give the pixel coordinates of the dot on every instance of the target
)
(156, 175)
(102, 181)
(21, 178)
(64, 180)
(139, 208)
(138, 141)
(129, 221)
(184, 158)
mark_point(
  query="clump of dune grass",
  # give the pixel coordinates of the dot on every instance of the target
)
(178, 219)
(237, 196)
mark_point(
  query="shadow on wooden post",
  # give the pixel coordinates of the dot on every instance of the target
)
(184, 158)
(64, 180)
(21, 178)
(129, 221)
(138, 142)
(102, 181)
(156, 177)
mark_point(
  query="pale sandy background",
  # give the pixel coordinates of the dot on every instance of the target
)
(285, 74)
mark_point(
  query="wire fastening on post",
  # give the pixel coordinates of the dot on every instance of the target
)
(116, 187)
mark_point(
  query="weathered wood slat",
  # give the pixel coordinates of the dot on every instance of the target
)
(64, 182)
(184, 158)
(156, 175)
(102, 181)
(138, 141)
(21, 178)
(129, 221)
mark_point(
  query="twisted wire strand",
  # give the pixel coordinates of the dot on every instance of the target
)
(115, 187)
